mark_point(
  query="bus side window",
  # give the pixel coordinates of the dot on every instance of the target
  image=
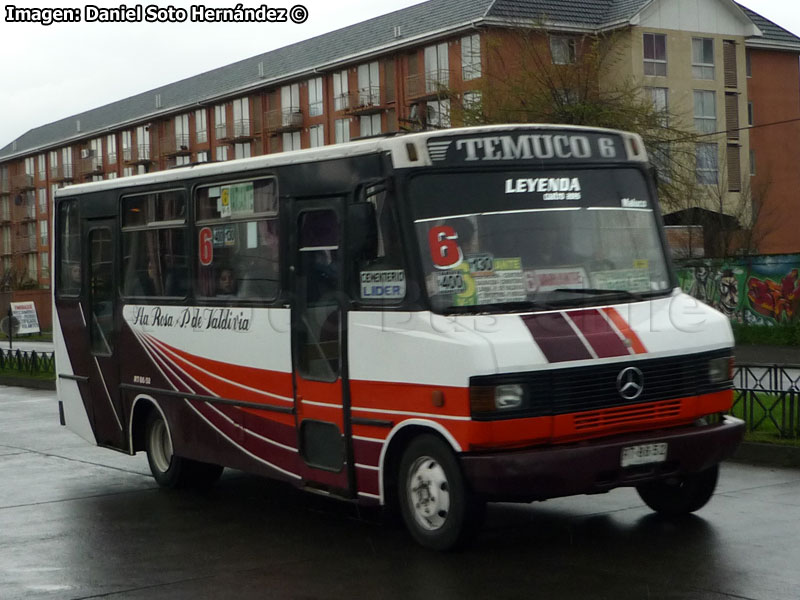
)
(69, 246)
(380, 270)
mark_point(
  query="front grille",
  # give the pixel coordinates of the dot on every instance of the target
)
(614, 417)
(594, 388)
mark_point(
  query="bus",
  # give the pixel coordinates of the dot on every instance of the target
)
(423, 322)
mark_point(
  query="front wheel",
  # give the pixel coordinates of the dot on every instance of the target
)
(680, 495)
(438, 509)
(172, 471)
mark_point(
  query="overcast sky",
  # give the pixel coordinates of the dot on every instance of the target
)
(51, 72)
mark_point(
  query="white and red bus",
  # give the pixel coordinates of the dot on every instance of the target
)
(433, 320)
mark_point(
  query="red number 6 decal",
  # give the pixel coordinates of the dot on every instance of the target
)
(205, 246)
(443, 243)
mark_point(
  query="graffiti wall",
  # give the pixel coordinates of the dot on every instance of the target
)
(757, 290)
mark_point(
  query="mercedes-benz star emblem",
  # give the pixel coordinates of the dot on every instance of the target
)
(630, 383)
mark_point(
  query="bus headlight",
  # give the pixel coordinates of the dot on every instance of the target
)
(508, 397)
(720, 369)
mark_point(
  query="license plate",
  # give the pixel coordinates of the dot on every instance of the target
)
(643, 454)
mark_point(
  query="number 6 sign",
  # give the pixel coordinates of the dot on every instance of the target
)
(445, 252)
(205, 246)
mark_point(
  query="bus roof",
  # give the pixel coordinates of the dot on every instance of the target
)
(410, 150)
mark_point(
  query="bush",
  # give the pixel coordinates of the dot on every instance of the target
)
(778, 335)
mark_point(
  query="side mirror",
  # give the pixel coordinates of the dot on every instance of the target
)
(362, 227)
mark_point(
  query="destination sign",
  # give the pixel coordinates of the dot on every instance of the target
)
(539, 146)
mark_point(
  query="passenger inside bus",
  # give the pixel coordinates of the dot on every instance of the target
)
(226, 283)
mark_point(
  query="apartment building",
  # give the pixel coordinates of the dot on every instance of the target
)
(407, 70)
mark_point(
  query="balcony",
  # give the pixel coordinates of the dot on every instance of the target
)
(432, 84)
(62, 173)
(91, 166)
(361, 102)
(286, 119)
(27, 243)
(138, 155)
(22, 182)
(176, 144)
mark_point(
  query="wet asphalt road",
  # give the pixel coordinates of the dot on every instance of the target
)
(83, 522)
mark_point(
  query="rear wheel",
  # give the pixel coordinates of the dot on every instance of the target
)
(680, 495)
(172, 471)
(438, 509)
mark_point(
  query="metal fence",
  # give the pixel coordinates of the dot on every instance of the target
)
(767, 397)
(29, 362)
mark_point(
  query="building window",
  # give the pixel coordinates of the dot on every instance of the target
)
(241, 150)
(439, 113)
(202, 156)
(341, 98)
(562, 49)
(317, 136)
(291, 141)
(705, 111)
(470, 57)
(220, 121)
(750, 114)
(702, 58)
(659, 97)
(53, 164)
(707, 169)
(315, 97)
(181, 132)
(342, 131)
(111, 149)
(111, 176)
(42, 200)
(42, 170)
(241, 118)
(181, 161)
(655, 54)
(126, 145)
(752, 162)
(221, 153)
(370, 125)
(43, 233)
(143, 141)
(201, 125)
(127, 171)
(437, 74)
(369, 84)
(44, 260)
(66, 161)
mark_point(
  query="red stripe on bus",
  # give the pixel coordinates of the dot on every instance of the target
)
(625, 330)
(556, 339)
(604, 340)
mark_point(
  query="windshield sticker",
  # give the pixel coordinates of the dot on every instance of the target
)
(452, 282)
(641, 263)
(551, 188)
(632, 280)
(443, 244)
(241, 199)
(480, 264)
(383, 285)
(547, 280)
(633, 203)
(505, 282)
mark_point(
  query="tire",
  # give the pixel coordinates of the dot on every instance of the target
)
(679, 496)
(438, 510)
(172, 471)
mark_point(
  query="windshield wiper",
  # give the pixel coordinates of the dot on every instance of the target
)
(602, 292)
(501, 306)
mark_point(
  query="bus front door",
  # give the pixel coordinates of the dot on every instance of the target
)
(102, 303)
(317, 342)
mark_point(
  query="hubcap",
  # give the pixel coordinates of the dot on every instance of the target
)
(160, 446)
(428, 493)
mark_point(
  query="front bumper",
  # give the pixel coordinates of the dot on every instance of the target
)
(594, 466)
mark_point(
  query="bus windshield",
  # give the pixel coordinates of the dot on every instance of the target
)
(537, 239)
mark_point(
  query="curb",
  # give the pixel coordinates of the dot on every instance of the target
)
(30, 383)
(773, 455)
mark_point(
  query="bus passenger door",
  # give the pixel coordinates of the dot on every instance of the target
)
(317, 343)
(102, 316)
